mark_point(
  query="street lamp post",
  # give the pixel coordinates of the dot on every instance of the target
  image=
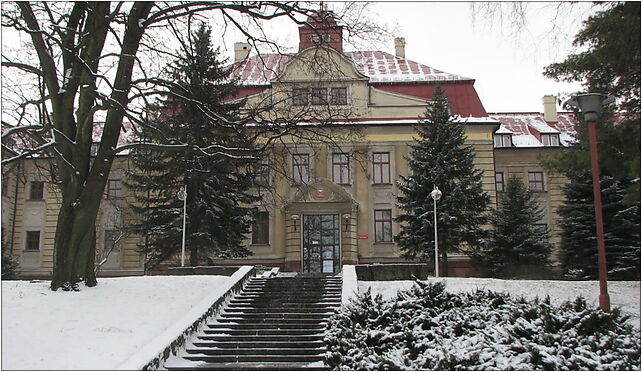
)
(436, 195)
(590, 105)
(182, 195)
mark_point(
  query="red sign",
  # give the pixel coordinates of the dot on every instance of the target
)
(363, 236)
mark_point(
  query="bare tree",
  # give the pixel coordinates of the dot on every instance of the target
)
(85, 60)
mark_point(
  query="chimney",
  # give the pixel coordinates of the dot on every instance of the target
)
(550, 108)
(241, 51)
(400, 47)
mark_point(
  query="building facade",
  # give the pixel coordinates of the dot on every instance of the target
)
(328, 194)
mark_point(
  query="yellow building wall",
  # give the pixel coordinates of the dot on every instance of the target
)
(517, 162)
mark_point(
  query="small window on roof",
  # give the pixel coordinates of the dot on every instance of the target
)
(503, 140)
(551, 140)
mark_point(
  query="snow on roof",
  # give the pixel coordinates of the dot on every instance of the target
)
(384, 67)
(526, 128)
(380, 67)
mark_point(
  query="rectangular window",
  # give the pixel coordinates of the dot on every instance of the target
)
(114, 189)
(381, 167)
(340, 169)
(551, 140)
(301, 168)
(499, 181)
(262, 172)
(319, 96)
(383, 225)
(536, 181)
(339, 96)
(33, 241)
(299, 97)
(261, 228)
(112, 240)
(502, 140)
(37, 191)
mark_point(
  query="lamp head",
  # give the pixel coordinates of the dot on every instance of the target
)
(590, 104)
(435, 194)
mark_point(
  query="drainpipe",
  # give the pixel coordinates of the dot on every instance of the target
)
(15, 210)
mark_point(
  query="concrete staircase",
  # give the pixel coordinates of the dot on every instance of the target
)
(273, 324)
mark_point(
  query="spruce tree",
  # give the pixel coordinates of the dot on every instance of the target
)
(516, 239)
(217, 185)
(440, 158)
(621, 230)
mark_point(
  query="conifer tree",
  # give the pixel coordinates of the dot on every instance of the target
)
(516, 239)
(440, 158)
(217, 185)
(621, 230)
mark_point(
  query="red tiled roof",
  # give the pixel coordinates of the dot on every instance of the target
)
(380, 67)
(525, 127)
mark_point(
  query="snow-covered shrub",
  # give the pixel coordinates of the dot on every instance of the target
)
(427, 328)
(9, 268)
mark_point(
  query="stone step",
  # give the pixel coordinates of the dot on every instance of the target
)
(268, 300)
(285, 310)
(248, 366)
(293, 286)
(281, 304)
(271, 320)
(281, 294)
(266, 325)
(259, 344)
(263, 332)
(261, 338)
(303, 298)
(291, 315)
(253, 351)
(253, 358)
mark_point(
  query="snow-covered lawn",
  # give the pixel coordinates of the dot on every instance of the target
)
(625, 295)
(96, 328)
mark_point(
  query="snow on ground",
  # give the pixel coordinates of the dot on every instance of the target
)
(96, 328)
(625, 295)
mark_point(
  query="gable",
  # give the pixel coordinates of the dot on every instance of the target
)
(319, 64)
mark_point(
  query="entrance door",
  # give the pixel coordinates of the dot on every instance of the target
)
(321, 243)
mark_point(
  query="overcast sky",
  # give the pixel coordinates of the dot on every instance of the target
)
(449, 36)
(507, 66)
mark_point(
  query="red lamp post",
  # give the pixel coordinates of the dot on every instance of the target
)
(590, 105)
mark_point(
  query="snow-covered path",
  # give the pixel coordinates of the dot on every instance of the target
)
(96, 328)
(625, 295)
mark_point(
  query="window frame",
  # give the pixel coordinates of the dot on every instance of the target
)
(32, 236)
(383, 222)
(553, 140)
(534, 184)
(41, 193)
(297, 176)
(502, 182)
(316, 99)
(380, 164)
(112, 192)
(261, 228)
(502, 138)
(300, 97)
(341, 165)
(333, 97)
(262, 172)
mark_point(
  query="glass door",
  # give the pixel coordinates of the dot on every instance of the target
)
(321, 243)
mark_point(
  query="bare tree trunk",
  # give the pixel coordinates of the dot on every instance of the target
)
(74, 247)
